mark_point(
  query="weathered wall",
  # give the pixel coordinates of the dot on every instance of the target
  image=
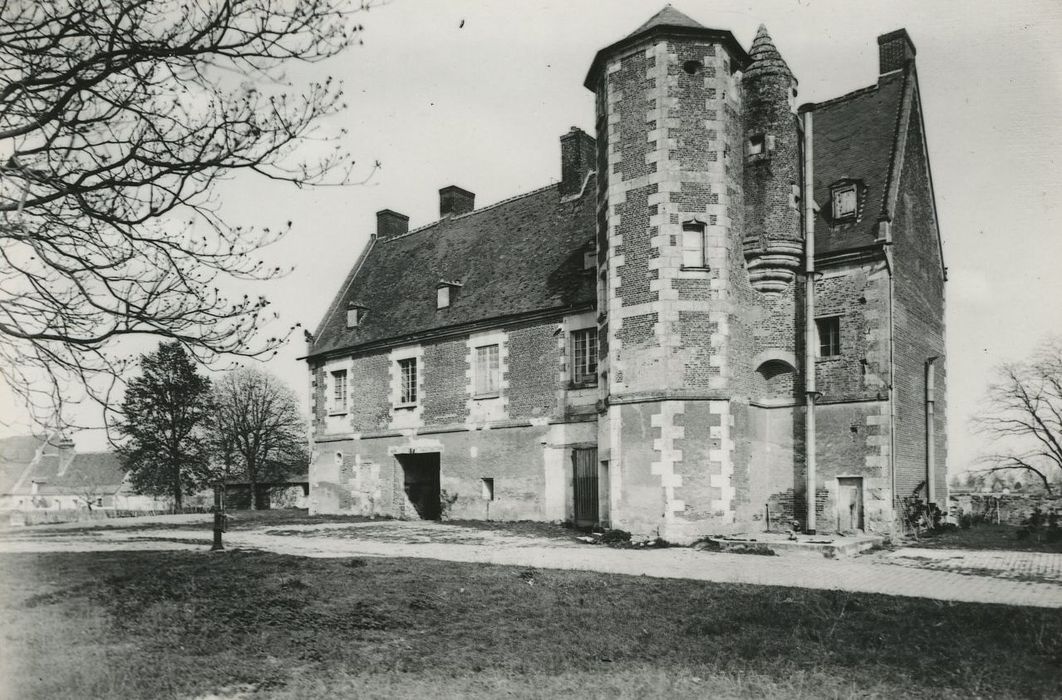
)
(919, 321)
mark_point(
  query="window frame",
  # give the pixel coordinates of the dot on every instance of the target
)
(836, 193)
(339, 396)
(442, 297)
(491, 372)
(697, 253)
(830, 340)
(583, 376)
(408, 377)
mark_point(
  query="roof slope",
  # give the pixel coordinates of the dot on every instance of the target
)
(88, 471)
(519, 256)
(667, 17)
(853, 138)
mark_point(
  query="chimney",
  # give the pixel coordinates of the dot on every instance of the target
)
(65, 449)
(390, 224)
(454, 201)
(578, 152)
(895, 49)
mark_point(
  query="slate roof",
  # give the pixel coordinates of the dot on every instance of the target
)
(101, 471)
(853, 138)
(16, 453)
(18, 471)
(667, 17)
(519, 256)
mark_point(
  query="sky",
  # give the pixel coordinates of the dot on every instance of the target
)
(477, 94)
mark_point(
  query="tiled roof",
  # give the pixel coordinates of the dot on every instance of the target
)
(668, 17)
(853, 138)
(521, 255)
(101, 471)
(18, 470)
(16, 453)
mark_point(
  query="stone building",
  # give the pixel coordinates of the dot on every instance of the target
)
(636, 345)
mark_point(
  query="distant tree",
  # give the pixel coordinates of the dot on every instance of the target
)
(1023, 415)
(117, 120)
(257, 427)
(163, 424)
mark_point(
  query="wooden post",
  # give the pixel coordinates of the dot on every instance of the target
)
(219, 518)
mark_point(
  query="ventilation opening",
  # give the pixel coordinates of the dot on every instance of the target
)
(692, 67)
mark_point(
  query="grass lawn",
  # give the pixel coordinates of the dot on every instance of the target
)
(183, 624)
(986, 536)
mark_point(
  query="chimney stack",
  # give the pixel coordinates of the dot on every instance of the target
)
(390, 224)
(895, 49)
(454, 201)
(578, 153)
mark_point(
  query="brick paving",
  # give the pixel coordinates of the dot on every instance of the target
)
(1009, 578)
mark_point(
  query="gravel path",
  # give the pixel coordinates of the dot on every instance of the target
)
(1011, 578)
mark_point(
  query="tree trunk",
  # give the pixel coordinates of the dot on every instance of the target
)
(252, 477)
(178, 497)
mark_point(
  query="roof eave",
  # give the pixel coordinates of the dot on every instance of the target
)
(723, 36)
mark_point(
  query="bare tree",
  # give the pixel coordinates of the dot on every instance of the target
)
(257, 420)
(1023, 415)
(117, 120)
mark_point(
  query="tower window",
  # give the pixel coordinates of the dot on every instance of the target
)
(844, 202)
(584, 354)
(757, 144)
(693, 245)
(692, 67)
(829, 336)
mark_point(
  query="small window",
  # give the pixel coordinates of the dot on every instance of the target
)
(693, 245)
(355, 315)
(339, 390)
(584, 354)
(590, 259)
(757, 144)
(844, 202)
(487, 375)
(488, 489)
(829, 336)
(408, 377)
(442, 297)
(692, 67)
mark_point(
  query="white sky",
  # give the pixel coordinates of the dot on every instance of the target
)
(483, 106)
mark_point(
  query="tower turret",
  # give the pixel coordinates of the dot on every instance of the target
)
(772, 240)
(669, 135)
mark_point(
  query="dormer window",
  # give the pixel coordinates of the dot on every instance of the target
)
(590, 256)
(446, 293)
(757, 144)
(844, 200)
(355, 315)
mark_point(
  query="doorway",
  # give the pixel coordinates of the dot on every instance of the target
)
(849, 503)
(584, 470)
(420, 481)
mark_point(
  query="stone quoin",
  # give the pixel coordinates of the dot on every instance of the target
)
(629, 347)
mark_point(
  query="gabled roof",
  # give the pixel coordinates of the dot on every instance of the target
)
(520, 256)
(25, 460)
(853, 137)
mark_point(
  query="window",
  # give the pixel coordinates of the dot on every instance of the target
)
(757, 144)
(844, 202)
(408, 377)
(339, 390)
(693, 245)
(584, 351)
(355, 315)
(487, 375)
(442, 297)
(829, 336)
(488, 488)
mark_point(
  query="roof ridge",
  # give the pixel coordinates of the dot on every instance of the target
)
(859, 92)
(471, 213)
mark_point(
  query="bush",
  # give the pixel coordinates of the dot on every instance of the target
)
(615, 536)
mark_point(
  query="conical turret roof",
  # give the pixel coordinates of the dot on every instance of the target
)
(765, 56)
(668, 17)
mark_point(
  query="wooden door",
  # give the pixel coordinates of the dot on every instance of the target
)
(584, 469)
(849, 503)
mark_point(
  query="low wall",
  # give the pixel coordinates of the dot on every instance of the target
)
(1010, 509)
(43, 517)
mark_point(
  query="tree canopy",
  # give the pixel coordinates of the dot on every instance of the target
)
(165, 448)
(258, 430)
(118, 118)
(1023, 416)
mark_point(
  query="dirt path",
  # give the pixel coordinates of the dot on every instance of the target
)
(1012, 578)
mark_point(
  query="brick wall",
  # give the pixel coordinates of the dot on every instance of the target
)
(919, 324)
(533, 360)
(445, 379)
